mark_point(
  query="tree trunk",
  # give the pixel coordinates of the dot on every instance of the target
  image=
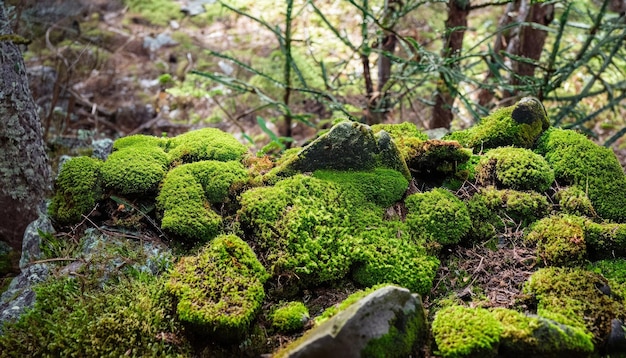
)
(24, 168)
(453, 44)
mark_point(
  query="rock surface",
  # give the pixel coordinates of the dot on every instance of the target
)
(390, 321)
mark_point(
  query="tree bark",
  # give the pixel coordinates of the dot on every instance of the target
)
(456, 24)
(24, 168)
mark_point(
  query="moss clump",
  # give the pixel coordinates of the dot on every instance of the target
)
(614, 270)
(70, 320)
(219, 290)
(605, 240)
(434, 160)
(576, 160)
(573, 200)
(492, 210)
(140, 140)
(205, 144)
(437, 216)
(290, 317)
(538, 337)
(381, 186)
(466, 332)
(515, 168)
(135, 170)
(188, 192)
(387, 254)
(519, 125)
(77, 189)
(560, 240)
(575, 297)
(400, 131)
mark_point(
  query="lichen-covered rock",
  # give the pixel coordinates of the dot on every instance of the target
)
(189, 190)
(205, 144)
(289, 317)
(515, 168)
(77, 189)
(381, 186)
(220, 290)
(492, 210)
(135, 170)
(437, 216)
(347, 146)
(577, 298)
(577, 160)
(519, 125)
(466, 332)
(533, 336)
(389, 322)
(560, 240)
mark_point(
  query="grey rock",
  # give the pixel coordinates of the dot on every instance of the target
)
(347, 146)
(102, 148)
(20, 295)
(195, 7)
(391, 313)
(437, 133)
(161, 40)
(31, 243)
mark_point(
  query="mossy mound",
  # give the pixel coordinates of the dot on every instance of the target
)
(381, 186)
(560, 240)
(573, 200)
(220, 290)
(70, 320)
(135, 169)
(492, 210)
(205, 144)
(437, 216)
(289, 317)
(434, 160)
(140, 140)
(466, 332)
(189, 190)
(614, 270)
(515, 168)
(605, 240)
(519, 125)
(77, 189)
(539, 337)
(577, 298)
(576, 160)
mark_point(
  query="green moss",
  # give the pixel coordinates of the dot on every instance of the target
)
(466, 332)
(158, 12)
(560, 240)
(576, 160)
(400, 131)
(140, 140)
(605, 240)
(381, 186)
(574, 297)
(492, 210)
(464, 172)
(188, 192)
(225, 297)
(573, 200)
(437, 216)
(386, 254)
(435, 160)
(515, 168)
(68, 320)
(135, 170)
(614, 270)
(77, 189)
(290, 317)
(519, 125)
(205, 144)
(538, 337)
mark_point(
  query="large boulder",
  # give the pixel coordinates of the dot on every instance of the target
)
(389, 322)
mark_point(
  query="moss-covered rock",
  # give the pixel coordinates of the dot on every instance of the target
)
(576, 160)
(219, 290)
(77, 189)
(573, 200)
(575, 297)
(381, 186)
(524, 335)
(560, 240)
(289, 317)
(519, 125)
(466, 332)
(515, 168)
(434, 160)
(136, 169)
(437, 216)
(189, 190)
(205, 144)
(492, 210)
(605, 240)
